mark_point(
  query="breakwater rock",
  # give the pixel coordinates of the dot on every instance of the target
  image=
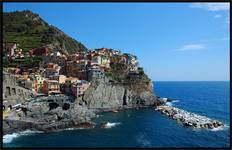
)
(188, 118)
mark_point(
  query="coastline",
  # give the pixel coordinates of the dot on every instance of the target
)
(181, 116)
(9, 137)
(24, 125)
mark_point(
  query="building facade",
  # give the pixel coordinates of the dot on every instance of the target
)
(51, 86)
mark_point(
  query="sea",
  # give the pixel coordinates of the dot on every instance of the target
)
(146, 127)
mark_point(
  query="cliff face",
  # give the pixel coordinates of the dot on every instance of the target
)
(105, 94)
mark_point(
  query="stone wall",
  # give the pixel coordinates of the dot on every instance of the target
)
(12, 92)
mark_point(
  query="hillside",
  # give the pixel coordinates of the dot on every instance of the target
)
(30, 31)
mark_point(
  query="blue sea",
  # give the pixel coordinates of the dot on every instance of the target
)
(145, 127)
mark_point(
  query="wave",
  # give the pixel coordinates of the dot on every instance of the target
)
(175, 101)
(9, 137)
(220, 128)
(74, 128)
(171, 103)
(110, 125)
(70, 129)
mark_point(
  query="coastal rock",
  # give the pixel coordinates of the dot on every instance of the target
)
(12, 126)
(103, 125)
(37, 118)
(188, 118)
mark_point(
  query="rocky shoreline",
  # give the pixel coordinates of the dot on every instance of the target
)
(39, 116)
(45, 125)
(15, 126)
(188, 118)
(57, 119)
(80, 117)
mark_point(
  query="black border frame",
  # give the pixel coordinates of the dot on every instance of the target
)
(106, 1)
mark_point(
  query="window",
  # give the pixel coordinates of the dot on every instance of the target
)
(8, 93)
(14, 91)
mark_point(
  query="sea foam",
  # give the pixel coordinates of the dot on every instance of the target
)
(9, 137)
(110, 125)
(171, 103)
(220, 128)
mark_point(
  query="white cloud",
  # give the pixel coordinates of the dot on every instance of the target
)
(212, 6)
(217, 16)
(190, 47)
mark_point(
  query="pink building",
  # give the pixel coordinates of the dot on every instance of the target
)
(51, 86)
(79, 87)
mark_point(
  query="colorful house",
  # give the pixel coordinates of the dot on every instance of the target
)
(76, 69)
(103, 51)
(31, 85)
(132, 59)
(133, 63)
(68, 84)
(52, 70)
(105, 61)
(39, 80)
(79, 87)
(51, 87)
(96, 60)
(60, 78)
(124, 59)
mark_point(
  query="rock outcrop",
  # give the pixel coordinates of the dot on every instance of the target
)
(39, 116)
(103, 93)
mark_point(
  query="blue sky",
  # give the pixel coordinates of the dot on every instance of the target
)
(173, 41)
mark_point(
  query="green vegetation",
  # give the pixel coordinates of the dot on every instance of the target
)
(140, 70)
(30, 31)
(28, 62)
(118, 72)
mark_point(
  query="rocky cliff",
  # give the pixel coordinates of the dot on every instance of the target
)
(103, 93)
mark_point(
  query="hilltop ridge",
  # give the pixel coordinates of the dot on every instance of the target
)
(30, 31)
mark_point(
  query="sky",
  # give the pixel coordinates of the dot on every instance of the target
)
(173, 41)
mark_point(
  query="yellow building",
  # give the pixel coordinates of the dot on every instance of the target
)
(60, 78)
(39, 80)
(105, 61)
